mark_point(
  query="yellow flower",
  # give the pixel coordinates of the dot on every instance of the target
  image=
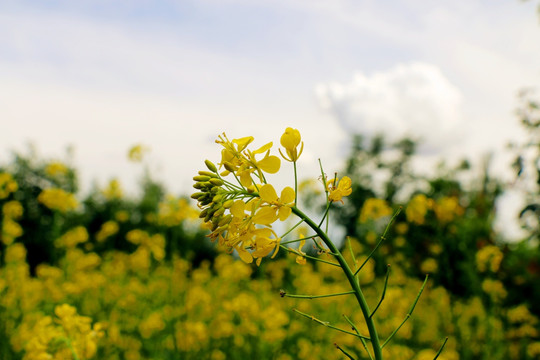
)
(58, 199)
(113, 190)
(446, 208)
(108, 229)
(137, 152)
(429, 266)
(489, 257)
(342, 189)
(300, 259)
(12, 209)
(10, 231)
(7, 185)
(374, 209)
(283, 204)
(72, 237)
(418, 208)
(55, 169)
(290, 140)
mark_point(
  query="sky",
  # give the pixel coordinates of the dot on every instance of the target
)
(105, 75)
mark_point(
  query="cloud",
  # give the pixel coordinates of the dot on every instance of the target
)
(413, 99)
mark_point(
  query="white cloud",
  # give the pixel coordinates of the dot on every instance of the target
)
(414, 100)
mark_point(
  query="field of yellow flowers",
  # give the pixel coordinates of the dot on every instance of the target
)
(108, 277)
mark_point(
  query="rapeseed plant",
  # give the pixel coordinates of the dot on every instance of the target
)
(239, 206)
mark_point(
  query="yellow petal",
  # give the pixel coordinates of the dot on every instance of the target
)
(302, 243)
(290, 138)
(284, 212)
(287, 195)
(263, 148)
(270, 164)
(237, 209)
(268, 193)
(243, 142)
(265, 216)
(245, 178)
(244, 255)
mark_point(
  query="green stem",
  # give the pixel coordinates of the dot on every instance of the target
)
(316, 296)
(327, 324)
(377, 352)
(291, 229)
(383, 237)
(409, 314)
(441, 349)
(345, 352)
(307, 256)
(383, 292)
(295, 184)
(297, 240)
(358, 332)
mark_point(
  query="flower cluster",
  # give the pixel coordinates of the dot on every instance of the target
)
(241, 214)
(7, 185)
(58, 199)
(68, 336)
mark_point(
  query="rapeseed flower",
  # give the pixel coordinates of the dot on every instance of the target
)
(290, 140)
(417, 208)
(339, 188)
(58, 199)
(136, 152)
(374, 209)
(283, 204)
(7, 185)
(56, 169)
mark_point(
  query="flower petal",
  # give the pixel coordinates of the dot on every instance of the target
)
(265, 216)
(244, 255)
(290, 138)
(267, 193)
(263, 148)
(237, 209)
(243, 142)
(269, 164)
(287, 195)
(284, 212)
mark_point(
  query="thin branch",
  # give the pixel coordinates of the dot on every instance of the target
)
(383, 237)
(327, 324)
(344, 352)
(358, 332)
(384, 290)
(441, 349)
(294, 251)
(408, 314)
(284, 294)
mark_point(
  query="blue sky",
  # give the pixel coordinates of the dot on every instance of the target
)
(103, 75)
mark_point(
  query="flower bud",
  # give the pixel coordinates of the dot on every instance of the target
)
(197, 195)
(210, 165)
(229, 166)
(201, 178)
(203, 213)
(227, 204)
(219, 212)
(207, 173)
(198, 185)
(216, 182)
(225, 220)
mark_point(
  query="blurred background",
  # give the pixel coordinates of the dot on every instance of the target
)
(108, 109)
